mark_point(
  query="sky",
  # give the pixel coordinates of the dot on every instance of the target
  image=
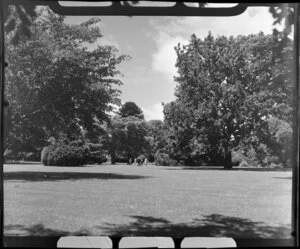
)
(148, 78)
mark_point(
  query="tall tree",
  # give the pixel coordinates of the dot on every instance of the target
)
(131, 109)
(128, 137)
(225, 93)
(56, 84)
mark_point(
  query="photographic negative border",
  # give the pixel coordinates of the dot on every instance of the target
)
(179, 9)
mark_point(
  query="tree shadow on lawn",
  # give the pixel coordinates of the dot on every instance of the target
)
(284, 178)
(221, 168)
(39, 230)
(63, 176)
(214, 225)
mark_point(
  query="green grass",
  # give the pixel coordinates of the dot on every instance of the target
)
(129, 200)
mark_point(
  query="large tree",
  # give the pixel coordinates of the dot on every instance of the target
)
(226, 93)
(128, 138)
(131, 109)
(56, 84)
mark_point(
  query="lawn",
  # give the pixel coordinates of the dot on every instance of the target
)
(118, 200)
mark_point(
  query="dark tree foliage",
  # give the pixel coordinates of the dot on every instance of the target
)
(131, 109)
(128, 138)
(18, 19)
(55, 84)
(225, 96)
(284, 15)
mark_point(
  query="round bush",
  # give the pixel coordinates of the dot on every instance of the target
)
(163, 159)
(65, 155)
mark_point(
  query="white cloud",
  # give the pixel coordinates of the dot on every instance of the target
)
(165, 58)
(154, 112)
(170, 31)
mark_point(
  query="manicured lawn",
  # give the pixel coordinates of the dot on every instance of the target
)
(128, 200)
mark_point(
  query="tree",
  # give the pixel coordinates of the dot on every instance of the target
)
(156, 136)
(17, 21)
(55, 84)
(131, 109)
(128, 138)
(283, 14)
(225, 93)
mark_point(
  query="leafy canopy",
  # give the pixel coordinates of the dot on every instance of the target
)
(56, 84)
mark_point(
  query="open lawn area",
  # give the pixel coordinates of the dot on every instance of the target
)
(119, 200)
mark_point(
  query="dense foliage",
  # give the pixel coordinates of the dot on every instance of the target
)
(64, 155)
(63, 152)
(128, 138)
(56, 84)
(233, 103)
(131, 109)
(228, 92)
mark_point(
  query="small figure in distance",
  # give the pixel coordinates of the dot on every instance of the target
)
(145, 161)
(130, 161)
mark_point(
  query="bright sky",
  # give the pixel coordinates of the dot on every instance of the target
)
(148, 76)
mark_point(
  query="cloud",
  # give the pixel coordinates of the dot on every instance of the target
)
(164, 59)
(154, 112)
(169, 31)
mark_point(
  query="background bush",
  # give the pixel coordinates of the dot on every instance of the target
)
(12, 156)
(65, 155)
(97, 157)
(45, 152)
(243, 164)
(97, 153)
(237, 158)
(163, 159)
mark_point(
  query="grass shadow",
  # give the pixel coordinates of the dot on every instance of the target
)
(64, 176)
(285, 178)
(214, 225)
(223, 169)
(39, 230)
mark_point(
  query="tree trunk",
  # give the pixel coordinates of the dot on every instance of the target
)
(113, 157)
(227, 159)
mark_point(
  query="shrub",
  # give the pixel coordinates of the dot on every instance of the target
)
(97, 154)
(77, 143)
(95, 147)
(163, 159)
(151, 158)
(15, 156)
(237, 158)
(45, 152)
(33, 156)
(276, 166)
(243, 164)
(121, 160)
(65, 155)
(97, 157)
(246, 154)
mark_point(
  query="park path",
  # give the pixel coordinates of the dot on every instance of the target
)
(122, 199)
